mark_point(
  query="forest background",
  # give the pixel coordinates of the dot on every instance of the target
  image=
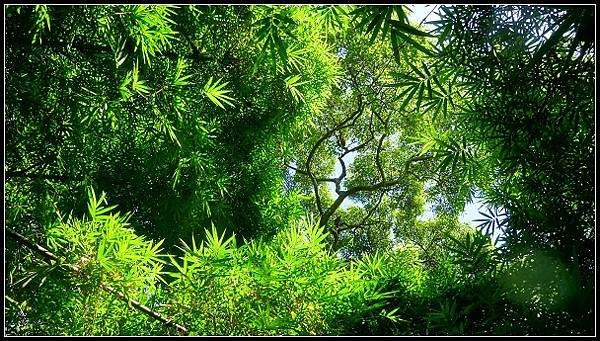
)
(299, 170)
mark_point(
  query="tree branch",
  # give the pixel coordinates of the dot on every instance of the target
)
(372, 210)
(367, 188)
(339, 179)
(316, 146)
(49, 256)
(363, 221)
(144, 309)
(360, 146)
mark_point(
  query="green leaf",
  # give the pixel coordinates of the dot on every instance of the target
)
(281, 47)
(426, 147)
(416, 45)
(420, 95)
(408, 29)
(216, 95)
(292, 83)
(408, 98)
(395, 47)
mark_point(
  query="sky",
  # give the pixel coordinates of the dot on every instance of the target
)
(422, 10)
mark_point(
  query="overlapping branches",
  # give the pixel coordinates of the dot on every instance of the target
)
(370, 100)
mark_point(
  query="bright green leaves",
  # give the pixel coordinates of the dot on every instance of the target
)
(216, 94)
(180, 78)
(427, 144)
(120, 54)
(217, 246)
(371, 265)
(429, 139)
(214, 248)
(315, 235)
(278, 209)
(95, 208)
(390, 20)
(42, 22)
(150, 28)
(182, 164)
(292, 83)
(290, 285)
(105, 250)
(296, 59)
(391, 315)
(133, 78)
(166, 163)
(138, 85)
(165, 126)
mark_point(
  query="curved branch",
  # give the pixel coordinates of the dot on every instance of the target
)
(328, 133)
(339, 179)
(368, 188)
(372, 210)
(358, 147)
(363, 221)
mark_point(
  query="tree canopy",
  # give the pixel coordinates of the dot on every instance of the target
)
(299, 170)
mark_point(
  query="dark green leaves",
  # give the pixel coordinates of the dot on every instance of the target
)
(424, 87)
(389, 19)
(139, 101)
(553, 40)
(474, 252)
(455, 152)
(493, 220)
(331, 18)
(272, 32)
